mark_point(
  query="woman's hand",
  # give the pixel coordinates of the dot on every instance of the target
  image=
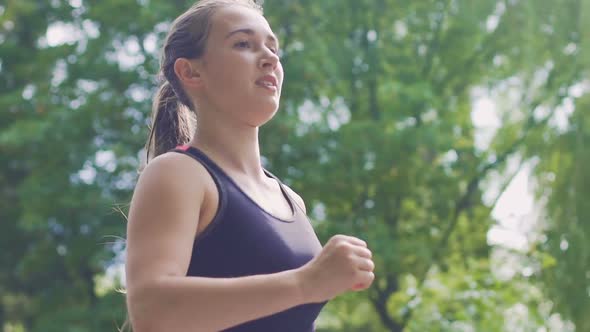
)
(343, 264)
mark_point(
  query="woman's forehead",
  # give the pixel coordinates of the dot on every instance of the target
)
(232, 18)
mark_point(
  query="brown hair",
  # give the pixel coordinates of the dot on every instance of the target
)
(173, 114)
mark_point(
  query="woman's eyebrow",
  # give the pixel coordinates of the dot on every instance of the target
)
(251, 32)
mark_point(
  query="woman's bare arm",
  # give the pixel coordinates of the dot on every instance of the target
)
(163, 218)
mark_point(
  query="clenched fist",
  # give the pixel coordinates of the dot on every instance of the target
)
(343, 264)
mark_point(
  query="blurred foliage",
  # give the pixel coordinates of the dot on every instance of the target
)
(377, 130)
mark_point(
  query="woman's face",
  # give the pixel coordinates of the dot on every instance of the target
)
(241, 72)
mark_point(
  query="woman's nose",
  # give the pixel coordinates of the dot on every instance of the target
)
(269, 59)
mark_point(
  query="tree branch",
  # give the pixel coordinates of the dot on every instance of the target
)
(380, 303)
(435, 41)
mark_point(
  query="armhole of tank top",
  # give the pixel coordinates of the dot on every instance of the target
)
(284, 191)
(220, 192)
(301, 209)
(291, 200)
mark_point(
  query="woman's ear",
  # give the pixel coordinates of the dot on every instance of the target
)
(188, 73)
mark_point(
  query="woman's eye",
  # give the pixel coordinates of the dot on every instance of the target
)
(242, 44)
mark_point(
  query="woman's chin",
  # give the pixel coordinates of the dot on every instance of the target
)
(262, 115)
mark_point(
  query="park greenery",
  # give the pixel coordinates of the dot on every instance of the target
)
(401, 122)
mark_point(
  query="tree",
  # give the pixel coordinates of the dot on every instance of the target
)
(376, 131)
(388, 84)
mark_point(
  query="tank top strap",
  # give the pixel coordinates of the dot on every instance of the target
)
(220, 176)
(209, 164)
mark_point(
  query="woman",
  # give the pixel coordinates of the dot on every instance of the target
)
(215, 242)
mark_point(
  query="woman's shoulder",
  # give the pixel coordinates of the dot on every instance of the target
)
(173, 170)
(172, 162)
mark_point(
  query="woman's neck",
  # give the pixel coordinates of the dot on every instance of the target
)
(234, 146)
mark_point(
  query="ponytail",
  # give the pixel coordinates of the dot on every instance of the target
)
(173, 122)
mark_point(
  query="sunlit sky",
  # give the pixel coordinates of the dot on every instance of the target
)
(516, 202)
